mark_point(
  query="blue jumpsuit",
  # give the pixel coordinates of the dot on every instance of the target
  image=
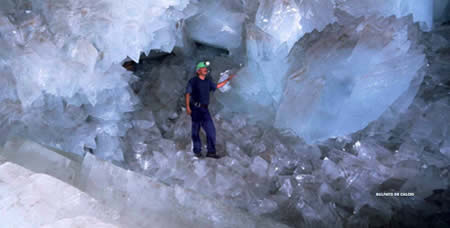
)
(199, 90)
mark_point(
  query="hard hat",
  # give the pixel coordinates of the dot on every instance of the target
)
(202, 64)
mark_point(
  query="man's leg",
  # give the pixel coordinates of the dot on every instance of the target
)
(196, 137)
(208, 126)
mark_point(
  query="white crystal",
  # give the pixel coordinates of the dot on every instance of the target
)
(223, 76)
(259, 166)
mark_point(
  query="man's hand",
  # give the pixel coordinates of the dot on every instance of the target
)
(231, 77)
(188, 111)
(221, 84)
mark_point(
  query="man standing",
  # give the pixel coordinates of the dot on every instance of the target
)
(197, 100)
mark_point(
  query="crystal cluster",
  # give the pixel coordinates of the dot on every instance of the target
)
(61, 67)
(336, 104)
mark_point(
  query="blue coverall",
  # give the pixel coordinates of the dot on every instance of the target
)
(199, 90)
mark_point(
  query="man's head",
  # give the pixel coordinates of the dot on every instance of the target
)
(202, 68)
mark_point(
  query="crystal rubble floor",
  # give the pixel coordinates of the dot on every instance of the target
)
(96, 193)
(334, 183)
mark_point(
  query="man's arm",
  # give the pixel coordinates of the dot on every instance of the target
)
(188, 108)
(188, 97)
(224, 82)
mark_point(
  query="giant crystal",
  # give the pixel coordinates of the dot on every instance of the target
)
(37, 200)
(346, 76)
(279, 24)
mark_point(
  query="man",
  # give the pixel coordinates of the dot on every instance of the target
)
(197, 100)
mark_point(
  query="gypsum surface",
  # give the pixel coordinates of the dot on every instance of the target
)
(27, 201)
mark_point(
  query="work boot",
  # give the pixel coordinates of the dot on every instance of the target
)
(211, 155)
(198, 155)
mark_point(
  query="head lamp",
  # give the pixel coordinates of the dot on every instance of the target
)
(204, 64)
